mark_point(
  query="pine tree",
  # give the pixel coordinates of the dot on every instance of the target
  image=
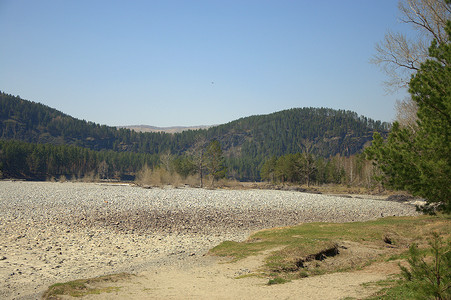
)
(420, 162)
(430, 278)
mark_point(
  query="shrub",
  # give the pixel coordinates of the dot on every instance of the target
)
(430, 278)
(157, 177)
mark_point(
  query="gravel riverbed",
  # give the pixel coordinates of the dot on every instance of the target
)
(55, 232)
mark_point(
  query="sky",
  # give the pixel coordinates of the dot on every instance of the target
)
(186, 63)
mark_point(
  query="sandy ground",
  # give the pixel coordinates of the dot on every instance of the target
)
(212, 278)
(53, 232)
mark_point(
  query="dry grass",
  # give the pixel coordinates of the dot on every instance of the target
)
(160, 177)
(346, 189)
(333, 189)
(83, 287)
(91, 177)
(156, 177)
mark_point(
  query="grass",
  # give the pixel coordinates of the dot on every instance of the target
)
(293, 252)
(393, 289)
(277, 280)
(83, 287)
(299, 245)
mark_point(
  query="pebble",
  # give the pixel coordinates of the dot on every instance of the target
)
(75, 232)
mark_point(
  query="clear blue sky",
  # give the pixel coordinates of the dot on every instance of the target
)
(167, 63)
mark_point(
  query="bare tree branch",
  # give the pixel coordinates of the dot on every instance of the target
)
(428, 16)
(398, 56)
(406, 113)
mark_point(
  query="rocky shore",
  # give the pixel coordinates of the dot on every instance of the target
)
(55, 232)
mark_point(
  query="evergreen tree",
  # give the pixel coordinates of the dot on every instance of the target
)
(308, 168)
(420, 161)
(268, 169)
(246, 142)
(430, 279)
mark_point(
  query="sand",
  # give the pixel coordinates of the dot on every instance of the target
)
(56, 232)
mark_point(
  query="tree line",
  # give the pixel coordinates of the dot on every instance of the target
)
(305, 169)
(246, 142)
(35, 161)
(45, 161)
(206, 163)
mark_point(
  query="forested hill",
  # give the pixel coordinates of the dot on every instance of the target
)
(325, 131)
(250, 140)
(34, 122)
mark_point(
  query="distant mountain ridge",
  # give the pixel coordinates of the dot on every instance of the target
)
(247, 142)
(171, 129)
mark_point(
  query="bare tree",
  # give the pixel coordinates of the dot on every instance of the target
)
(399, 56)
(308, 161)
(215, 162)
(406, 113)
(166, 161)
(427, 16)
(197, 154)
(102, 170)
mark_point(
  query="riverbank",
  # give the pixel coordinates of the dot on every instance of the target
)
(55, 232)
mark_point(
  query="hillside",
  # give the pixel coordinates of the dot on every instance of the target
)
(246, 142)
(329, 132)
(34, 122)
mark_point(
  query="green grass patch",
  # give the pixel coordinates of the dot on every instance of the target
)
(393, 289)
(311, 237)
(239, 251)
(83, 287)
(277, 280)
(298, 244)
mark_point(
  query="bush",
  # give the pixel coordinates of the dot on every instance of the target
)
(159, 177)
(431, 279)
